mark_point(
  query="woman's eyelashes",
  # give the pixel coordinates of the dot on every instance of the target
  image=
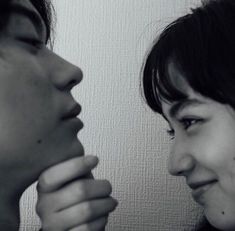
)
(186, 123)
(171, 133)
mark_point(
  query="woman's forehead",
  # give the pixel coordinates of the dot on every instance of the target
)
(177, 77)
(179, 82)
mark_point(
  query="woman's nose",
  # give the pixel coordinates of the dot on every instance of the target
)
(181, 161)
(66, 75)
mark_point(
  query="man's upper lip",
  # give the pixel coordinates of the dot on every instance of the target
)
(197, 184)
(72, 112)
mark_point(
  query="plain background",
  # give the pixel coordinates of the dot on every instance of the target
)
(109, 39)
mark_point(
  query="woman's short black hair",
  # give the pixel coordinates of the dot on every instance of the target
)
(202, 45)
(44, 7)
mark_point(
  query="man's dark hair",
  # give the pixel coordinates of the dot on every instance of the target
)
(202, 45)
(44, 7)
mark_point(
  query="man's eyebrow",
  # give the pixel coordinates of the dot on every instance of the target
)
(182, 104)
(32, 15)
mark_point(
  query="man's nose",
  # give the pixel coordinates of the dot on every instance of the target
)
(181, 161)
(66, 75)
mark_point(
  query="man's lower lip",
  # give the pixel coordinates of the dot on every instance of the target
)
(77, 122)
(197, 193)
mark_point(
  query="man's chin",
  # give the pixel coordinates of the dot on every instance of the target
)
(73, 150)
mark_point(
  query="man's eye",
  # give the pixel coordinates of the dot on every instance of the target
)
(34, 42)
(188, 122)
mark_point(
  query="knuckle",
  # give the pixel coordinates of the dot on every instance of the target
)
(79, 165)
(80, 190)
(75, 163)
(39, 208)
(85, 210)
(43, 182)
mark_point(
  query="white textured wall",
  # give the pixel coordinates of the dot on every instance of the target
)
(108, 40)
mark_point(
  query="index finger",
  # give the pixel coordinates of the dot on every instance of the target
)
(56, 176)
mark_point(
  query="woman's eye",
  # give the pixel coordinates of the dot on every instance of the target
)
(171, 133)
(188, 122)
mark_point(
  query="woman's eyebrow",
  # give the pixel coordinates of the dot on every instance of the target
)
(32, 15)
(182, 104)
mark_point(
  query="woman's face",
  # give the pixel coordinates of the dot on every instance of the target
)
(203, 151)
(35, 95)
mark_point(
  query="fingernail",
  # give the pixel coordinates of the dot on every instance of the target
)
(91, 160)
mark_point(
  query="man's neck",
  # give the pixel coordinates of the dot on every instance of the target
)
(11, 189)
(9, 213)
(12, 185)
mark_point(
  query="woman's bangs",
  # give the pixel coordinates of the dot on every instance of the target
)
(163, 85)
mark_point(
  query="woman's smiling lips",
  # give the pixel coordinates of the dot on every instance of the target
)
(199, 188)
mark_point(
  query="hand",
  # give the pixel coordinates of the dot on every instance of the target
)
(69, 200)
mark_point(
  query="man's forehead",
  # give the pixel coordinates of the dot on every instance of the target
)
(24, 3)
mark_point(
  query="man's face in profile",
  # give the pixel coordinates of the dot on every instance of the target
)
(35, 94)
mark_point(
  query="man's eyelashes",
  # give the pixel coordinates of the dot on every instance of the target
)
(37, 43)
